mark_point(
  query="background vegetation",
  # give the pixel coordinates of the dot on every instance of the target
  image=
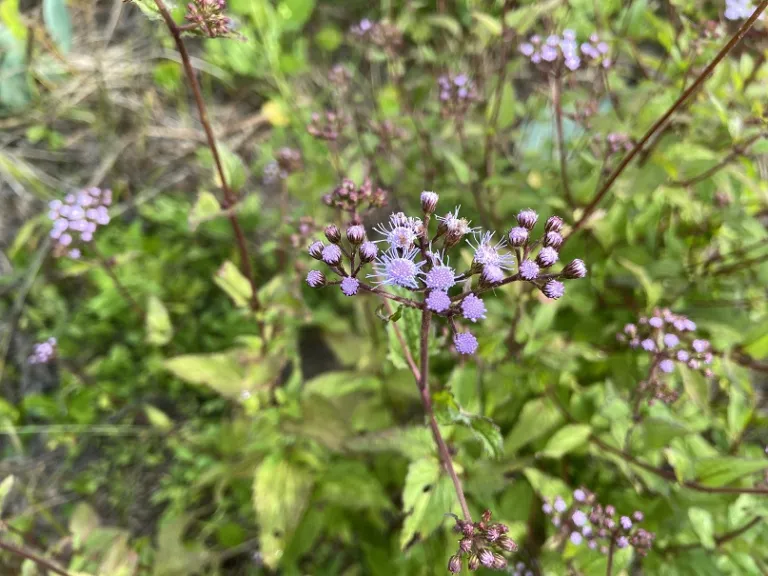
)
(185, 427)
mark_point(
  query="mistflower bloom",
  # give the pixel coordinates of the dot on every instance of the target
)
(527, 218)
(626, 523)
(700, 345)
(438, 301)
(440, 277)
(529, 270)
(576, 538)
(683, 355)
(429, 201)
(78, 216)
(579, 495)
(398, 270)
(401, 233)
(349, 285)
(368, 252)
(648, 345)
(575, 269)
(554, 289)
(488, 254)
(209, 17)
(560, 504)
(656, 322)
(332, 233)
(554, 224)
(473, 308)
(518, 236)
(454, 564)
(316, 250)
(315, 279)
(667, 365)
(356, 234)
(579, 518)
(492, 275)
(332, 255)
(622, 542)
(465, 343)
(453, 227)
(553, 239)
(671, 340)
(547, 257)
(739, 9)
(43, 352)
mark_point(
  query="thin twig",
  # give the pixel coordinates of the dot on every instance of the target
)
(592, 206)
(609, 566)
(29, 555)
(738, 150)
(556, 86)
(230, 198)
(384, 294)
(719, 540)
(404, 345)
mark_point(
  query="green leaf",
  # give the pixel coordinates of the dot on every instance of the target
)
(206, 208)
(11, 18)
(724, 470)
(740, 410)
(427, 496)
(567, 439)
(537, 417)
(174, 556)
(489, 434)
(408, 324)
(281, 490)
(58, 23)
(414, 443)
(234, 283)
(703, 525)
(493, 25)
(448, 411)
(157, 418)
(758, 348)
(346, 478)
(295, 13)
(159, 327)
(545, 485)
(653, 290)
(83, 521)
(5, 488)
(388, 100)
(522, 19)
(460, 167)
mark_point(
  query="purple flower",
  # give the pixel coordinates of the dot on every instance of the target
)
(399, 270)
(43, 352)
(401, 232)
(429, 201)
(465, 343)
(441, 277)
(74, 253)
(518, 236)
(667, 365)
(454, 564)
(315, 279)
(626, 523)
(700, 345)
(316, 250)
(579, 518)
(576, 538)
(579, 495)
(489, 254)
(473, 308)
(569, 34)
(575, 269)
(622, 542)
(560, 504)
(349, 285)
(526, 48)
(553, 289)
(527, 218)
(492, 274)
(486, 557)
(547, 508)
(547, 257)
(529, 270)
(671, 340)
(368, 252)
(638, 516)
(683, 356)
(553, 239)
(573, 63)
(438, 301)
(460, 80)
(332, 255)
(656, 322)
(356, 234)
(648, 345)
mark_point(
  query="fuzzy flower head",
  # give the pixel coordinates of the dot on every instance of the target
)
(43, 352)
(349, 285)
(429, 201)
(553, 289)
(315, 279)
(396, 269)
(473, 308)
(438, 301)
(489, 254)
(368, 252)
(465, 343)
(454, 227)
(78, 216)
(402, 232)
(440, 277)
(332, 255)
(492, 275)
(518, 236)
(529, 270)
(547, 257)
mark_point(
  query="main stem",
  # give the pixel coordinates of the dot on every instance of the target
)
(29, 555)
(556, 85)
(230, 198)
(426, 400)
(609, 566)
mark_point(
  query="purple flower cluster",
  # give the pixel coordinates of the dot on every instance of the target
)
(407, 260)
(348, 197)
(482, 543)
(670, 340)
(600, 527)
(381, 34)
(327, 126)
(457, 94)
(557, 51)
(617, 142)
(286, 162)
(43, 352)
(82, 212)
(520, 569)
(739, 9)
(209, 17)
(340, 76)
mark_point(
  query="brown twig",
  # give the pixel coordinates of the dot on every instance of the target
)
(230, 198)
(592, 206)
(404, 345)
(609, 565)
(37, 559)
(556, 86)
(719, 540)
(379, 292)
(738, 150)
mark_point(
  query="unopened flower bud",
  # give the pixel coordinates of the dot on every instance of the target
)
(527, 218)
(553, 239)
(492, 534)
(506, 543)
(486, 557)
(356, 234)
(473, 563)
(368, 252)
(333, 234)
(316, 250)
(575, 269)
(454, 564)
(332, 255)
(429, 201)
(554, 224)
(547, 257)
(499, 562)
(315, 279)
(518, 236)
(465, 545)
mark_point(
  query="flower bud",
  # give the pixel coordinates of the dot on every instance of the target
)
(465, 545)
(518, 236)
(499, 562)
(553, 239)
(333, 234)
(575, 269)
(316, 250)
(506, 543)
(316, 279)
(527, 218)
(473, 563)
(429, 201)
(547, 257)
(486, 557)
(491, 276)
(356, 234)
(332, 255)
(554, 224)
(454, 564)
(368, 252)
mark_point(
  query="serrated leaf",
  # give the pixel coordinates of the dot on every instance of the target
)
(427, 496)
(158, 323)
(537, 417)
(703, 525)
(448, 411)
(567, 439)
(58, 23)
(724, 470)
(281, 491)
(234, 283)
(740, 411)
(347, 478)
